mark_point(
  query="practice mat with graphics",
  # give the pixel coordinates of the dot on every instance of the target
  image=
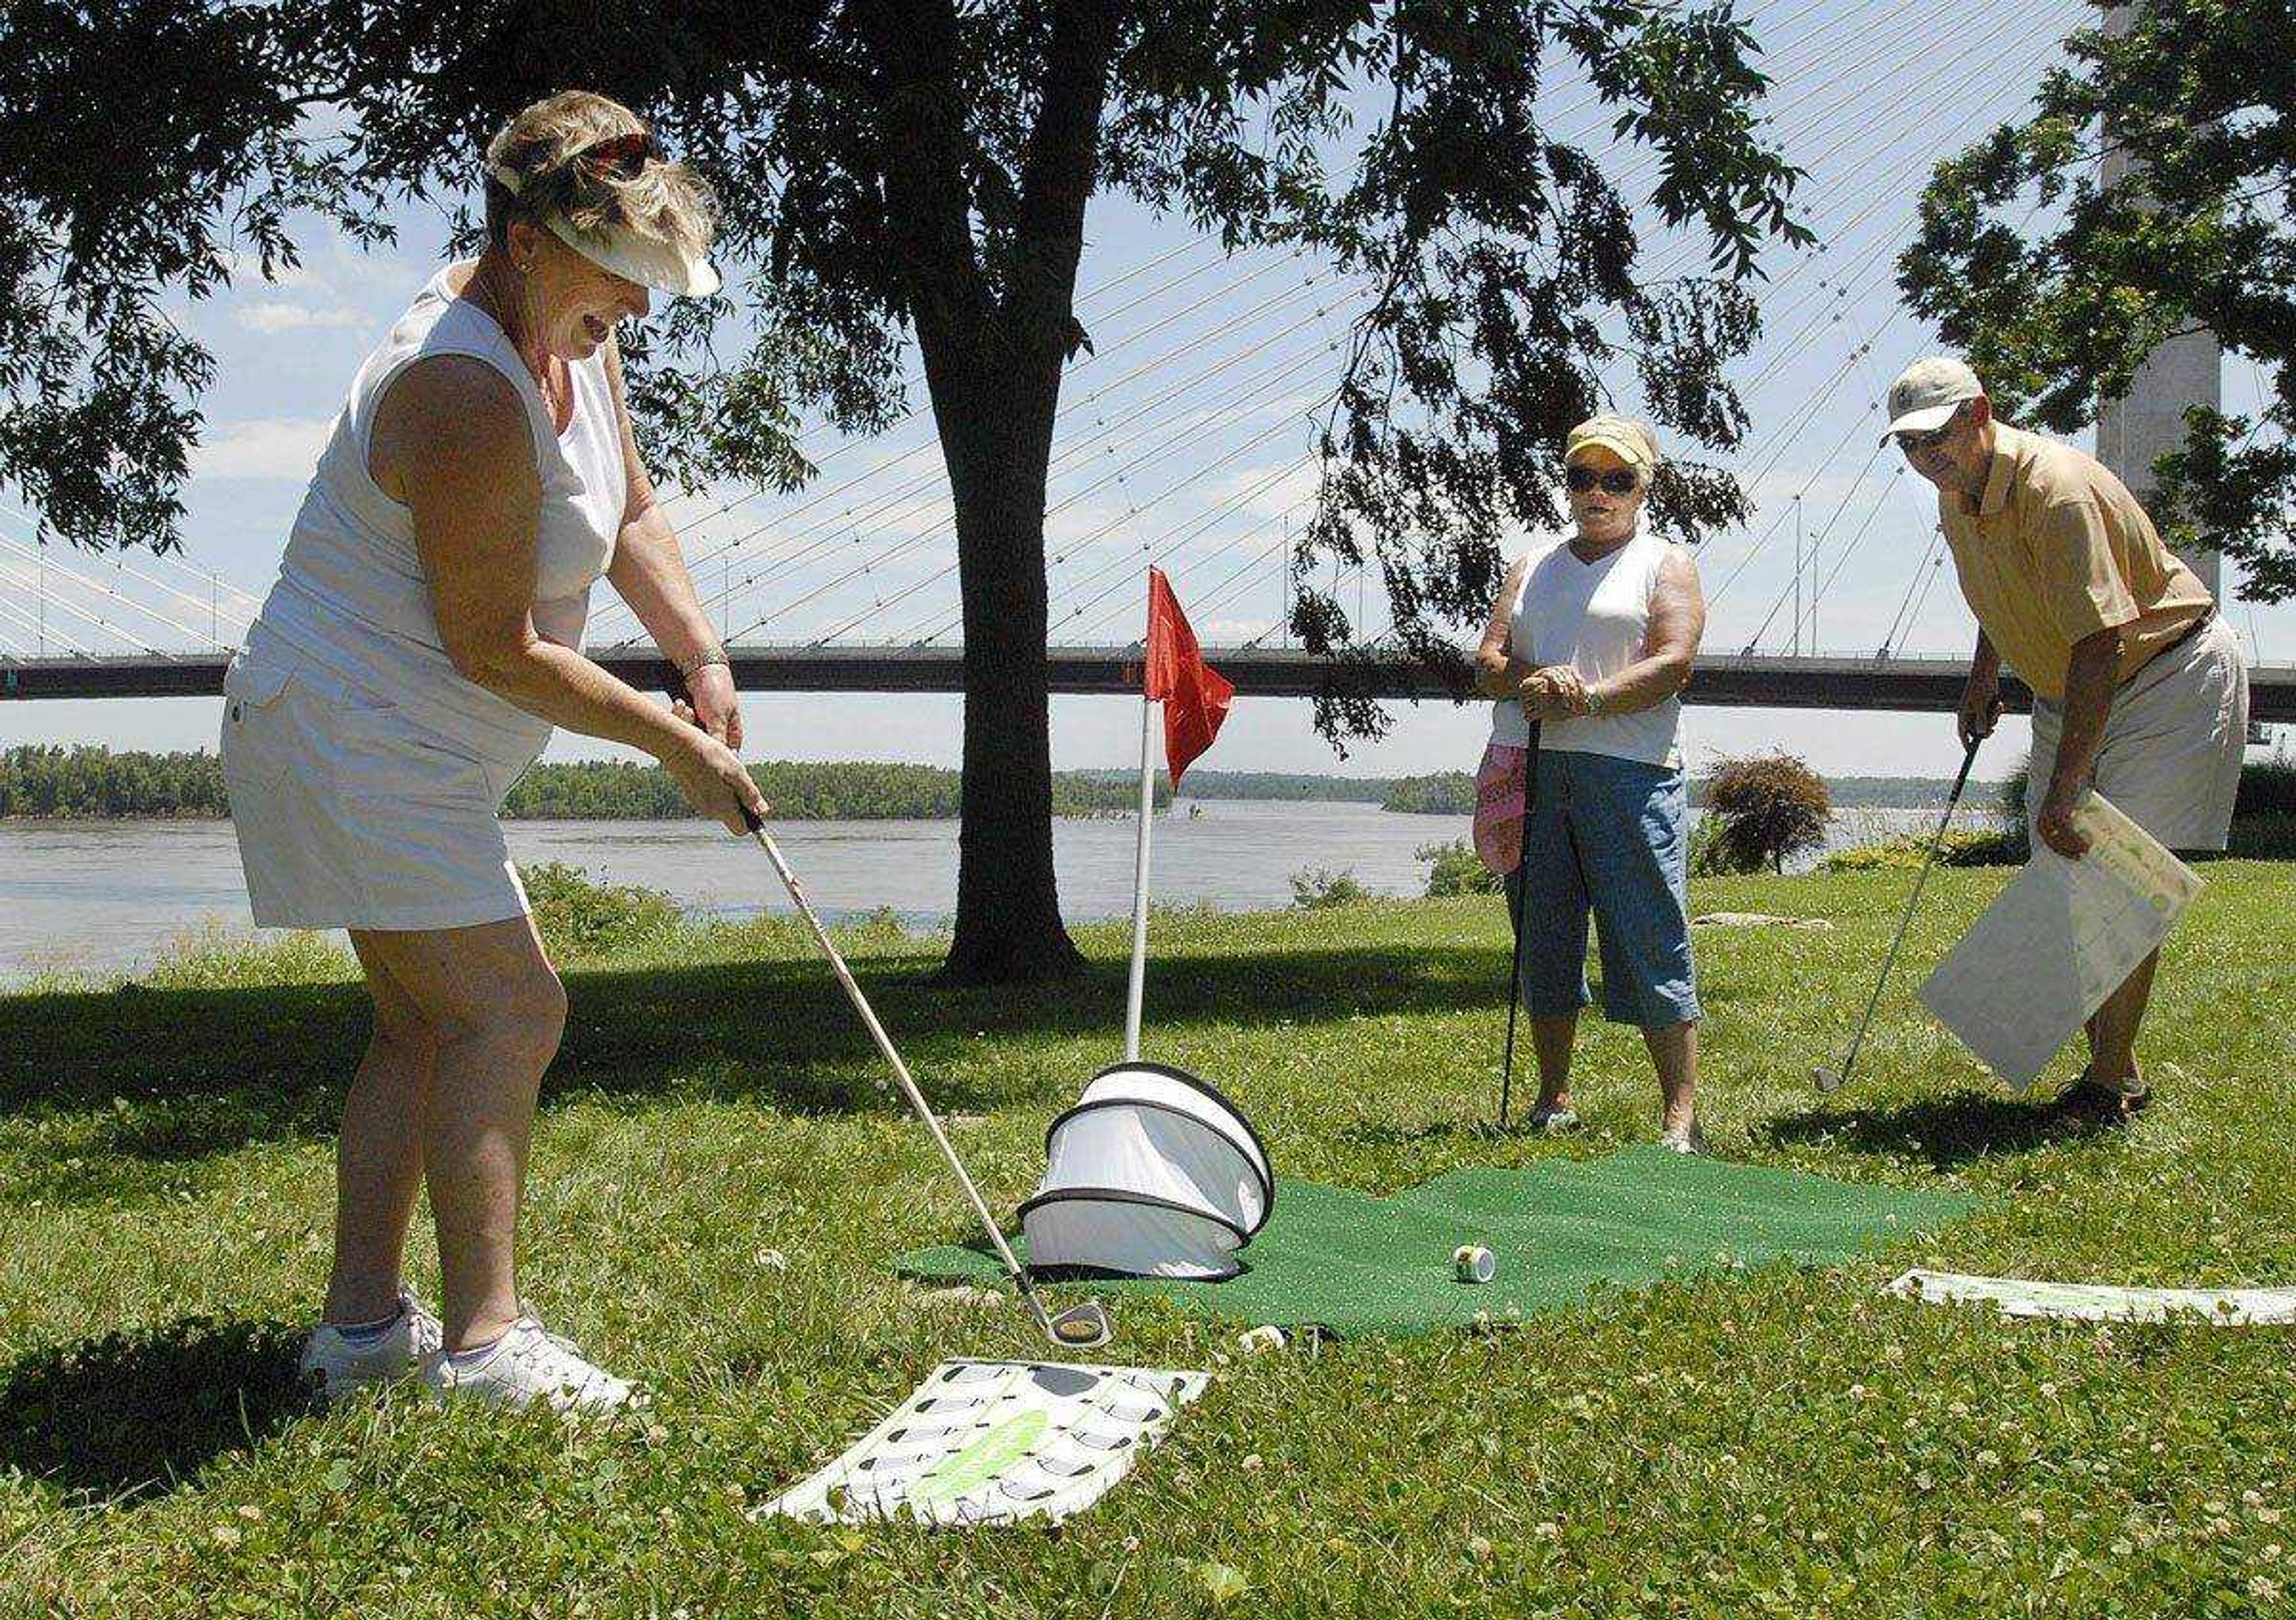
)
(992, 1443)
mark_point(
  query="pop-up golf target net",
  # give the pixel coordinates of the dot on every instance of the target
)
(1152, 1174)
(1352, 1263)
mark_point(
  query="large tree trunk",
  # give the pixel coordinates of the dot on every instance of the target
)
(1008, 904)
(994, 348)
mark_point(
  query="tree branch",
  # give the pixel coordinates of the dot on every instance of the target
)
(914, 43)
(1060, 169)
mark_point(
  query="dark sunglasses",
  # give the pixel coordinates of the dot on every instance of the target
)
(622, 157)
(1931, 439)
(1617, 481)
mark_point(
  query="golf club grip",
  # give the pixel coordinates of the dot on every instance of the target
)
(674, 684)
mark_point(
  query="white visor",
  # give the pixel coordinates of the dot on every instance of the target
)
(643, 259)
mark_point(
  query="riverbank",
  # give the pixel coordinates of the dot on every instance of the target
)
(718, 1181)
(101, 897)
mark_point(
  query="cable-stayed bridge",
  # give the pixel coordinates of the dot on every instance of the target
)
(1183, 440)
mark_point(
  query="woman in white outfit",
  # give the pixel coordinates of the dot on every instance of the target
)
(422, 639)
(1592, 638)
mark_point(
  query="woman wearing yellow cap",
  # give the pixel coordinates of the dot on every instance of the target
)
(422, 639)
(1591, 640)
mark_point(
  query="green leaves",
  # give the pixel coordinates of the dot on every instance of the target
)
(2057, 314)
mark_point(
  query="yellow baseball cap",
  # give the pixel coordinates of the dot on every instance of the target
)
(1631, 441)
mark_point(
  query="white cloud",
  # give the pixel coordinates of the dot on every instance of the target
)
(272, 316)
(277, 447)
(246, 270)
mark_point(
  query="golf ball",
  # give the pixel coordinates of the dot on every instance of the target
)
(1472, 1263)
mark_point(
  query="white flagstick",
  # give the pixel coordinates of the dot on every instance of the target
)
(1140, 882)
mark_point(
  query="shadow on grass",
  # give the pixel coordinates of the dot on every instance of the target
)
(129, 1414)
(1949, 1132)
(173, 1076)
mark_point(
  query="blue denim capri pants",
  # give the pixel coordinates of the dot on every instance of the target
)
(1607, 835)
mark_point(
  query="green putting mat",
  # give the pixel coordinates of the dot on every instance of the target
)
(1356, 1264)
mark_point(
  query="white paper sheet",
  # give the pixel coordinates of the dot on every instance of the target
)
(2100, 1302)
(989, 1443)
(2058, 940)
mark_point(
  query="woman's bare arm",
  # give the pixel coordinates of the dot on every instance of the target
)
(453, 436)
(1498, 673)
(650, 573)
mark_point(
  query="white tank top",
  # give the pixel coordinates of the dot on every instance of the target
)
(1595, 618)
(351, 597)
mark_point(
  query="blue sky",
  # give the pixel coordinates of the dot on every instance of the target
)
(1182, 441)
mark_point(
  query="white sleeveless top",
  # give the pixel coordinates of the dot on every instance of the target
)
(1595, 618)
(351, 597)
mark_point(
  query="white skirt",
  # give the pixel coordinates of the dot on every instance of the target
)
(349, 814)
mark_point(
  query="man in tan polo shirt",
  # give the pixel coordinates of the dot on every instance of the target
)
(2138, 686)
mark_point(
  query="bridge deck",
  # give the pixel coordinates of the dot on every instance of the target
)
(1736, 680)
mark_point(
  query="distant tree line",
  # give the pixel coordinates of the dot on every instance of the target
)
(90, 783)
(1453, 792)
(1445, 793)
(1290, 785)
(96, 784)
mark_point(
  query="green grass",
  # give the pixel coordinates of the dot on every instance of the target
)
(1776, 1442)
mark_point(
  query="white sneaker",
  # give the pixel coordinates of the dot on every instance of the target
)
(1688, 1139)
(528, 1364)
(340, 1368)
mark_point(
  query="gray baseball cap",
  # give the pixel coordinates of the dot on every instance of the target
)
(1927, 392)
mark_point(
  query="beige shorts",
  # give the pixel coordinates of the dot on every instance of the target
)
(2173, 744)
(351, 815)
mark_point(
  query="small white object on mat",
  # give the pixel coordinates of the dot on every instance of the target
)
(992, 1443)
(2057, 941)
(2101, 1302)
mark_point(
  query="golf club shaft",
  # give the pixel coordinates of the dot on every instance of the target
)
(923, 1110)
(1522, 889)
(1913, 901)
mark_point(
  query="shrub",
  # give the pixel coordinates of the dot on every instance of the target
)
(1767, 807)
(1317, 888)
(578, 918)
(2266, 788)
(2011, 800)
(1454, 868)
(1993, 848)
(213, 957)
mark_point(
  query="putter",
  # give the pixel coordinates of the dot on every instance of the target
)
(1083, 1327)
(1522, 889)
(1835, 1079)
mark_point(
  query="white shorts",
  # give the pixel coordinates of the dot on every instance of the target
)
(351, 815)
(2173, 743)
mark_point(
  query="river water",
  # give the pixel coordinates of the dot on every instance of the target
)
(107, 896)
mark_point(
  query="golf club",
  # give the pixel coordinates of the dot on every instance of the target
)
(1082, 1327)
(1835, 1079)
(1522, 889)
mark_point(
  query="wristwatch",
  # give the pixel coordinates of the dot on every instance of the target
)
(1593, 702)
(687, 670)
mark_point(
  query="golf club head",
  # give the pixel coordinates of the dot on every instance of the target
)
(1081, 1327)
(1827, 1079)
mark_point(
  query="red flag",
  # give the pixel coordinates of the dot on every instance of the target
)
(1195, 696)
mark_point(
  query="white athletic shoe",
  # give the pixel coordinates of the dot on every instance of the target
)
(340, 1368)
(1688, 1139)
(528, 1364)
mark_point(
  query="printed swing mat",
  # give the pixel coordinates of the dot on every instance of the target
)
(1353, 1265)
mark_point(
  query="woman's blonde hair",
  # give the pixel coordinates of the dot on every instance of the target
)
(533, 169)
